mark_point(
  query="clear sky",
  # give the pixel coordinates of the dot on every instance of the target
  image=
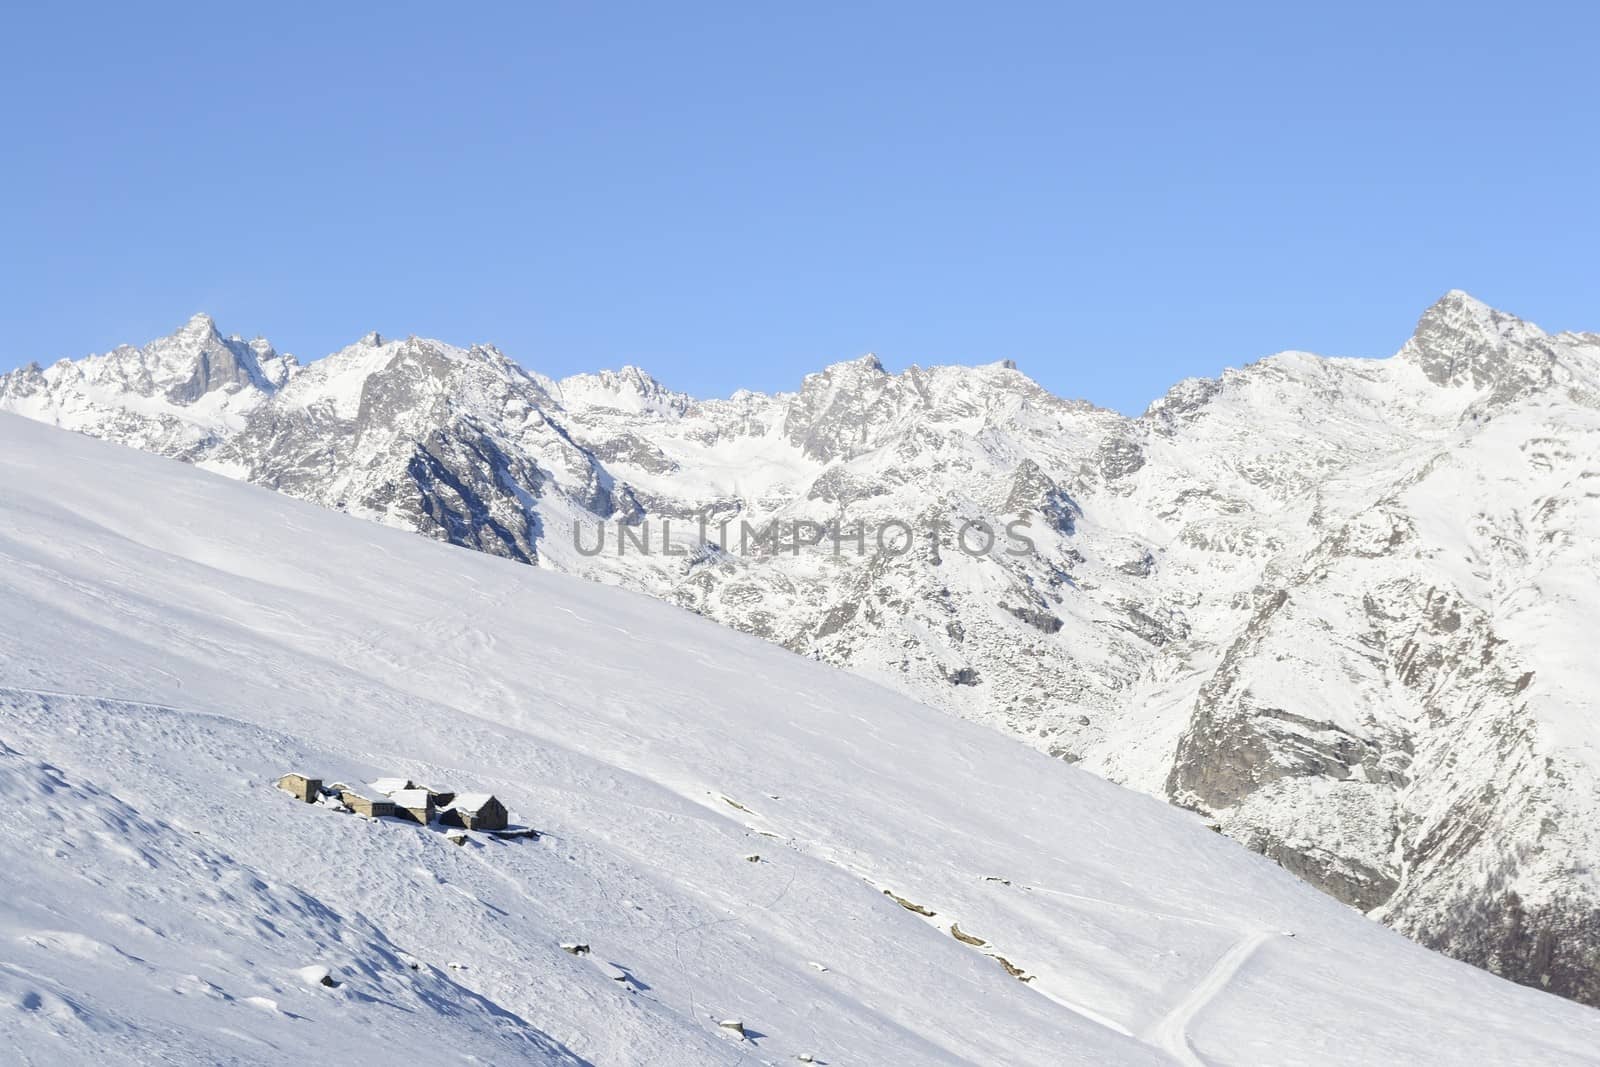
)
(731, 195)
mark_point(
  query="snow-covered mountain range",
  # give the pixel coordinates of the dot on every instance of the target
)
(1337, 605)
(770, 861)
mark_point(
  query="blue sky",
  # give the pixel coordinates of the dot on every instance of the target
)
(731, 195)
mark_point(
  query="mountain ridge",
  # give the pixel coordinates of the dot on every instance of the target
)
(1178, 559)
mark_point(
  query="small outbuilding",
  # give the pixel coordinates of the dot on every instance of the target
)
(369, 806)
(301, 787)
(413, 804)
(475, 811)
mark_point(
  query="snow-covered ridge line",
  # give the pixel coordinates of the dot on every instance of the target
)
(1337, 605)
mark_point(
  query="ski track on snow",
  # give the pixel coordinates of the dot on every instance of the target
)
(1171, 1034)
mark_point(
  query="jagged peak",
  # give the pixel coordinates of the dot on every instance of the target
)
(868, 362)
(1460, 307)
(1461, 299)
(627, 376)
(187, 364)
(639, 376)
(1461, 341)
(374, 351)
(629, 388)
(1183, 402)
(201, 331)
(862, 366)
(432, 356)
(200, 325)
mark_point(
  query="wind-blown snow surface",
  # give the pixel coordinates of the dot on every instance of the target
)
(170, 641)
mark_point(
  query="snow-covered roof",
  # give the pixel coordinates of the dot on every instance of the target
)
(471, 801)
(388, 786)
(410, 798)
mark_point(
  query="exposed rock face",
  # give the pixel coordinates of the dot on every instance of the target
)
(1339, 606)
(179, 395)
(1461, 342)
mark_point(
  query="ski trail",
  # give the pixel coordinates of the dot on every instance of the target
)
(1171, 1034)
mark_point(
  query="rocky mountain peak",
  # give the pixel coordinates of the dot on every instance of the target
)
(434, 358)
(629, 389)
(1184, 403)
(864, 366)
(199, 327)
(1462, 342)
(197, 360)
(840, 408)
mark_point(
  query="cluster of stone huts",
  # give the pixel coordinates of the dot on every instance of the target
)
(401, 798)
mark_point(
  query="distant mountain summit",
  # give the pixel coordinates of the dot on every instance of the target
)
(1338, 605)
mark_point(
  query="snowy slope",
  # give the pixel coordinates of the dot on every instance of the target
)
(1336, 605)
(170, 641)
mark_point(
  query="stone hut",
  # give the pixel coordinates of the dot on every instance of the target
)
(301, 787)
(475, 811)
(413, 804)
(364, 805)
